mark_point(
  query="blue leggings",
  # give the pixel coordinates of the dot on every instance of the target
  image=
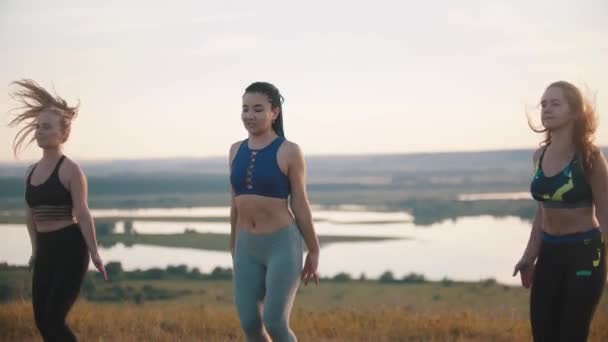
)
(267, 271)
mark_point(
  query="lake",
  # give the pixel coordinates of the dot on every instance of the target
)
(467, 249)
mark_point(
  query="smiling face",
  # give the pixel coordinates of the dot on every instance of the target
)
(49, 133)
(555, 109)
(257, 113)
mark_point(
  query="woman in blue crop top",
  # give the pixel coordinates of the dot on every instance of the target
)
(267, 177)
(57, 216)
(564, 261)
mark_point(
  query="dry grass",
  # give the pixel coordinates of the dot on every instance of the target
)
(195, 322)
(354, 311)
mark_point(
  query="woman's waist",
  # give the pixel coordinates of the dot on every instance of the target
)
(568, 221)
(261, 206)
(49, 226)
(565, 244)
(60, 240)
(263, 225)
(263, 216)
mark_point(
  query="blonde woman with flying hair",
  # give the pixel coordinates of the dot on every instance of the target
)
(60, 226)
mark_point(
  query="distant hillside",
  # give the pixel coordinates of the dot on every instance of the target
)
(421, 182)
(317, 165)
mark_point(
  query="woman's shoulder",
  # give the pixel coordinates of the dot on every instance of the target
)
(234, 149)
(29, 170)
(70, 168)
(537, 153)
(291, 147)
(235, 146)
(596, 151)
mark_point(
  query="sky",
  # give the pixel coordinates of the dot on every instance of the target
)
(165, 79)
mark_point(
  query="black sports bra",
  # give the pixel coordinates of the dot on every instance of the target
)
(50, 200)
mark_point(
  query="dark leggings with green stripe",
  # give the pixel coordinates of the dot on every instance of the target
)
(267, 271)
(569, 277)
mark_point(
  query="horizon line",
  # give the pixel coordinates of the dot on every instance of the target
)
(347, 154)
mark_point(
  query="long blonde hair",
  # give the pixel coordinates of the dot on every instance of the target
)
(35, 99)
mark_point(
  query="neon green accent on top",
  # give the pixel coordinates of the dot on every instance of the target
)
(596, 263)
(559, 193)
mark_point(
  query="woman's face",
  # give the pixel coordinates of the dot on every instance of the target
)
(555, 111)
(49, 133)
(257, 113)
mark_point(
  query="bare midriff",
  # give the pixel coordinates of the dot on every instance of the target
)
(262, 214)
(558, 221)
(52, 225)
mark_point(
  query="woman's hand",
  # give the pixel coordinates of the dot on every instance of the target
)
(31, 262)
(96, 259)
(525, 267)
(310, 268)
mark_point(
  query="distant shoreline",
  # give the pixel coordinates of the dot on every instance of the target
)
(222, 158)
(424, 211)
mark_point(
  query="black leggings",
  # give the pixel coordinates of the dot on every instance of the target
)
(568, 281)
(62, 260)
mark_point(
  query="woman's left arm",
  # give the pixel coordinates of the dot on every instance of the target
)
(78, 189)
(599, 188)
(301, 210)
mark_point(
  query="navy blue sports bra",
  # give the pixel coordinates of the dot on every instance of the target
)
(567, 189)
(257, 172)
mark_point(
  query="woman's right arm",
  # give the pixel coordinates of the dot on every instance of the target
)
(31, 230)
(232, 223)
(533, 247)
(233, 212)
(30, 224)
